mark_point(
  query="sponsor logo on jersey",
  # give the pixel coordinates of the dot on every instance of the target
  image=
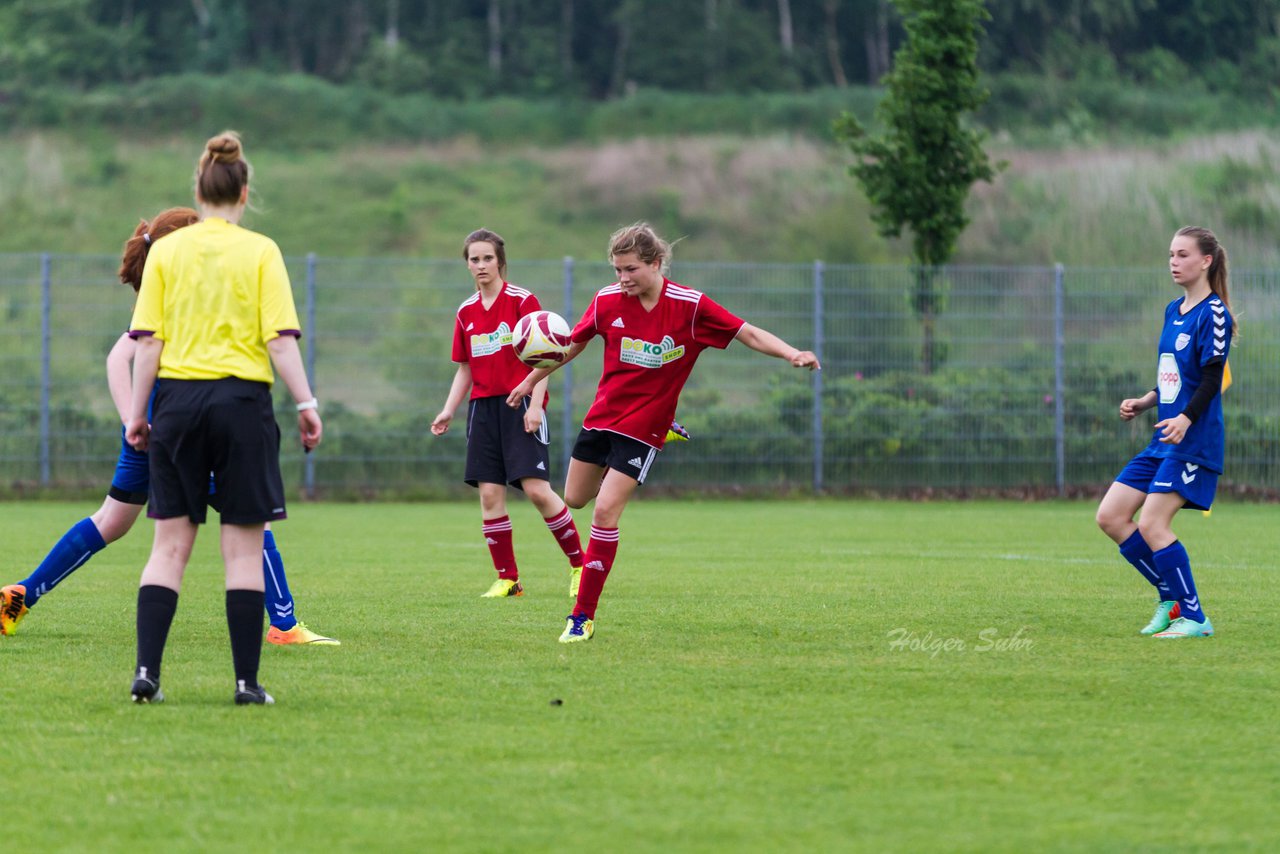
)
(1181, 342)
(636, 351)
(488, 343)
(1168, 379)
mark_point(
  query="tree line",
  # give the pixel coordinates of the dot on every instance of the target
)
(601, 49)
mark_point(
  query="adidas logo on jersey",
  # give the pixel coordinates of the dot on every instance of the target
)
(470, 326)
(617, 321)
(635, 461)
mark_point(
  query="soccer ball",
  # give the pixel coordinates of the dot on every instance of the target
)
(541, 339)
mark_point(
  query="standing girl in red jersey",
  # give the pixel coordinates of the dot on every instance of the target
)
(653, 331)
(504, 447)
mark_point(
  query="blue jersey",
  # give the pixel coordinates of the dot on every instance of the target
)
(1188, 343)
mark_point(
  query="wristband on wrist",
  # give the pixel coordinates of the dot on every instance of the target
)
(308, 404)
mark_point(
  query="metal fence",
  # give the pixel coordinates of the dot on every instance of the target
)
(1034, 362)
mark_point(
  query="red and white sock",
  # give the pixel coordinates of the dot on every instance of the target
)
(497, 533)
(566, 534)
(601, 550)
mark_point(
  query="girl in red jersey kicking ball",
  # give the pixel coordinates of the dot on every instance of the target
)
(503, 447)
(653, 331)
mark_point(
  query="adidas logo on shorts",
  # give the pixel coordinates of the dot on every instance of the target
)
(635, 461)
(541, 467)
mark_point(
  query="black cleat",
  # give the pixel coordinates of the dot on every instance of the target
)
(145, 689)
(252, 695)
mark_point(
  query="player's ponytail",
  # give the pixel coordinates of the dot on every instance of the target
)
(138, 246)
(1208, 244)
(484, 235)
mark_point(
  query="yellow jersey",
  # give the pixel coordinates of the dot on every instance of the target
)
(215, 294)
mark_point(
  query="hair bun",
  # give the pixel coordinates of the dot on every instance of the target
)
(225, 147)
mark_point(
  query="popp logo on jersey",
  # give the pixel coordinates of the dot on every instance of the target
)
(1168, 379)
(488, 343)
(636, 351)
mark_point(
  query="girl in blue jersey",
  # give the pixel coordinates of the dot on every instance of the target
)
(131, 482)
(1181, 465)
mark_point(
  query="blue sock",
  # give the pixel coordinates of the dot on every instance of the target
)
(1137, 552)
(1175, 570)
(70, 553)
(279, 599)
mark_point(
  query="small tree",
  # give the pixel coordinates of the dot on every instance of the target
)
(918, 171)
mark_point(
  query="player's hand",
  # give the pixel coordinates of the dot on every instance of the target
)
(137, 432)
(1174, 429)
(519, 393)
(1130, 407)
(309, 429)
(804, 359)
(532, 419)
(440, 426)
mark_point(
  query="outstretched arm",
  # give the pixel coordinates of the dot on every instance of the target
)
(766, 342)
(537, 375)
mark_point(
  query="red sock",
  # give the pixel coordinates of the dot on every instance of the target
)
(601, 550)
(566, 534)
(497, 533)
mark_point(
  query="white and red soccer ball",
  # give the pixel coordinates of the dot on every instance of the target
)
(541, 339)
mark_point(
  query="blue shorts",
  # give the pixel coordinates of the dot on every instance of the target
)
(132, 479)
(1149, 474)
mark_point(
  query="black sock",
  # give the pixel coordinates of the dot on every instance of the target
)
(156, 607)
(244, 621)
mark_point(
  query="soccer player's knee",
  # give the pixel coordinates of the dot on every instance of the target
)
(1106, 521)
(1152, 531)
(575, 502)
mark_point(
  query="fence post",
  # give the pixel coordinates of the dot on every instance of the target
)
(1059, 371)
(566, 387)
(819, 271)
(46, 359)
(309, 463)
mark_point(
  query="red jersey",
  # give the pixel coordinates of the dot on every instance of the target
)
(648, 355)
(482, 338)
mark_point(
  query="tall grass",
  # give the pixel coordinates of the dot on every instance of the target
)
(776, 197)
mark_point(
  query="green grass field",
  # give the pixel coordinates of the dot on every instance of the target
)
(799, 675)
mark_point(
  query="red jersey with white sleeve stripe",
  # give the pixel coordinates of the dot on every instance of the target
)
(648, 355)
(482, 337)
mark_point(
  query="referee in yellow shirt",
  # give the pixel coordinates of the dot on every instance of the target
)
(214, 313)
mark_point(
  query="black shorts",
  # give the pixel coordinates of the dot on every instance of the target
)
(498, 448)
(615, 451)
(225, 427)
